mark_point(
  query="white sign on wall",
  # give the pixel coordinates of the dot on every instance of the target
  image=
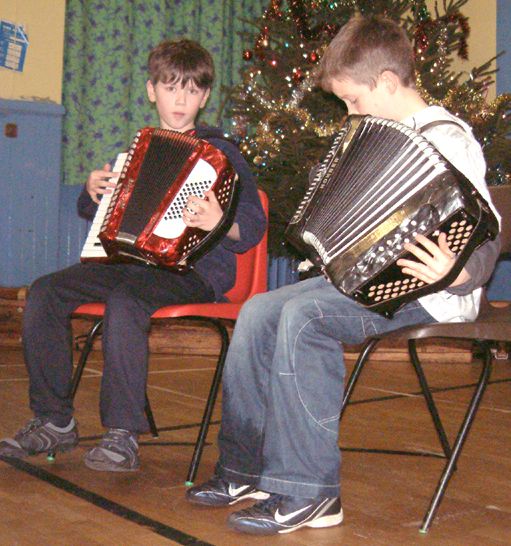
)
(13, 46)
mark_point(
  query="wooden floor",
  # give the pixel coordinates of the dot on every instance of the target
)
(384, 496)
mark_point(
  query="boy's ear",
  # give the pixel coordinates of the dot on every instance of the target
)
(150, 91)
(390, 80)
(205, 97)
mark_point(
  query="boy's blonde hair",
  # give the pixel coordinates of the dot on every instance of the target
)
(181, 61)
(363, 49)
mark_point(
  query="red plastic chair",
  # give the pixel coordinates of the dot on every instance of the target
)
(251, 279)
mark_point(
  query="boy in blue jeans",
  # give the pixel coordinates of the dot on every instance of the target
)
(181, 76)
(284, 375)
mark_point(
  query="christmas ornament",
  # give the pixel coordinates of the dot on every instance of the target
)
(297, 75)
(421, 11)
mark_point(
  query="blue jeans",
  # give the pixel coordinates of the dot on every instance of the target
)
(283, 386)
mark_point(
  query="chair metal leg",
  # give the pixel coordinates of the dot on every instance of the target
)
(451, 453)
(426, 391)
(366, 351)
(150, 418)
(460, 440)
(210, 404)
(83, 356)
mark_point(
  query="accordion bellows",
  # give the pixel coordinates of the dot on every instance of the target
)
(380, 184)
(143, 217)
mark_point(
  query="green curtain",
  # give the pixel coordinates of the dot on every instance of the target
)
(105, 57)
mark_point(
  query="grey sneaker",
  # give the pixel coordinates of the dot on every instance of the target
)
(40, 436)
(117, 452)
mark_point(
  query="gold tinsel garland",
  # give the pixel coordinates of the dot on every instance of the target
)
(266, 140)
(268, 135)
(473, 102)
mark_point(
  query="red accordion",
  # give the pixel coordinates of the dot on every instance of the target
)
(143, 219)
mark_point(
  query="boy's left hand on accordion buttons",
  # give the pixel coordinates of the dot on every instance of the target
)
(435, 262)
(202, 213)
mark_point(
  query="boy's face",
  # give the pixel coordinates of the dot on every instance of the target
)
(177, 106)
(362, 99)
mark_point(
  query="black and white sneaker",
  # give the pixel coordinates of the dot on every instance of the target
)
(218, 492)
(283, 514)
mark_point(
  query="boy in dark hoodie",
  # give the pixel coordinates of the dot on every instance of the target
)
(181, 77)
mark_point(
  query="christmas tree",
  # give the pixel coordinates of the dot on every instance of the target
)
(285, 124)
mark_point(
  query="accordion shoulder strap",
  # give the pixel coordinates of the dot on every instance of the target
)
(437, 123)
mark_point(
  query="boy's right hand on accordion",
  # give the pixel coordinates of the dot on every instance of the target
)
(206, 213)
(202, 213)
(99, 182)
(436, 260)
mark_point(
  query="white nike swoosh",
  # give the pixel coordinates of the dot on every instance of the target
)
(283, 518)
(235, 491)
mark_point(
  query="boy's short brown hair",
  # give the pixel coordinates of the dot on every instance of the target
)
(363, 49)
(181, 61)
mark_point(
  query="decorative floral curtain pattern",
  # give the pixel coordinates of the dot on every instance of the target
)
(105, 57)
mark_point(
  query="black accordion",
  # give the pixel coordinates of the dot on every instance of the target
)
(379, 185)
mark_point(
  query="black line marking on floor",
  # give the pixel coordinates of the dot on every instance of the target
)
(105, 504)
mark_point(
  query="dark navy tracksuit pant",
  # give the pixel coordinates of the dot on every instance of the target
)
(132, 292)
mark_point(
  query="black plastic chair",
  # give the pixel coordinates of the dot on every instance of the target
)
(493, 326)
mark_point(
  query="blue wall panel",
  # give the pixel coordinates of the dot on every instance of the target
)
(504, 44)
(29, 189)
(72, 229)
(500, 284)
(499, 288)
(281, 271)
